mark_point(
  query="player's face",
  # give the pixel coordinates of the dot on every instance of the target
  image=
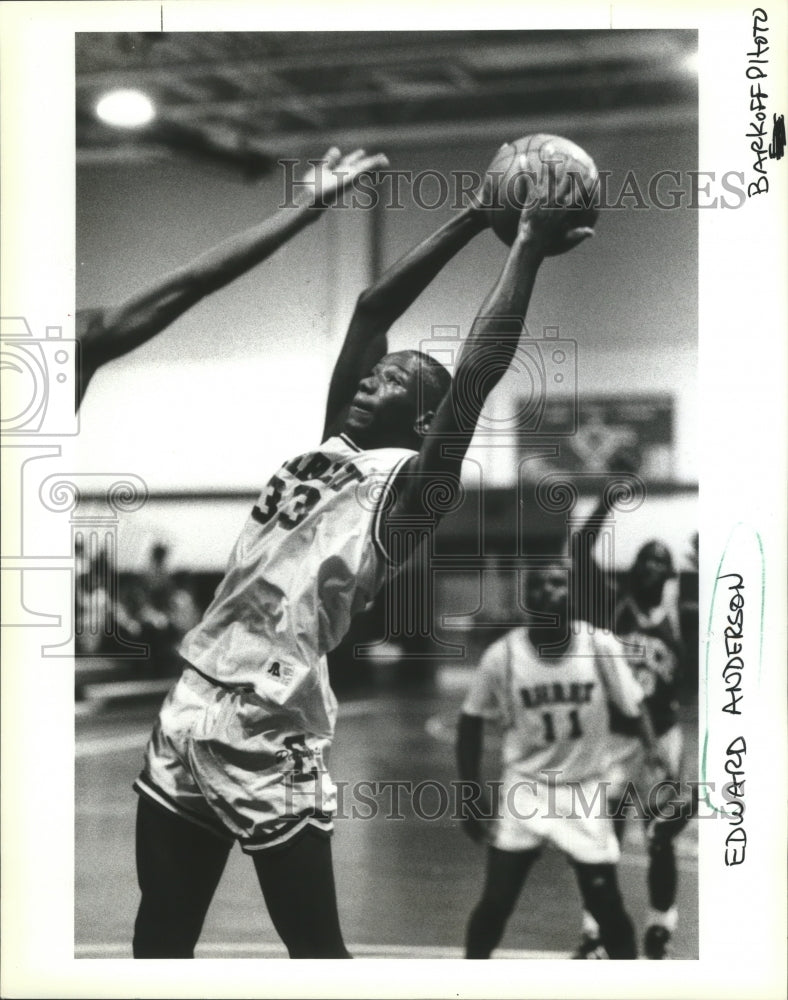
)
(384, 409)
(547, 591)
(652, 566)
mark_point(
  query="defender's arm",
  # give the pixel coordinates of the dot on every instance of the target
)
(107, 334)
(594, 589)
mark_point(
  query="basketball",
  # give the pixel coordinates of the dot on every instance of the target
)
(520, 168)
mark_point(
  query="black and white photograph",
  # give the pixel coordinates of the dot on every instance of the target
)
(393, 437)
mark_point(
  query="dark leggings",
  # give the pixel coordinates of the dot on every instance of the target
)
(178, 869)
(505, 876)
(662, 873)
(662, 870)
(602, 898)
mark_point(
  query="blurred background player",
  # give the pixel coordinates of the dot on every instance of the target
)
(550, 689)
(106, 334)
(240, 746)
(645, 617)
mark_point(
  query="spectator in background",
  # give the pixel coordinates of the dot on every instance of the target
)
(117, 612)
(148, 625)
(95, 609)
(167, 608)
(93, 616)
(157, 580)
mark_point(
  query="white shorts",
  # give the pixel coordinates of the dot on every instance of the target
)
(222, 758)
(627, 757)
(572, 817)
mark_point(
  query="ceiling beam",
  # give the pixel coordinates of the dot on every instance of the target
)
(409, 91)
(532, 52)
(475, 133)
(496, 130)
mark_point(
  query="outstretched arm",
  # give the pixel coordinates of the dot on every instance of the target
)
(593, 596)
(106, 334)
(626, 694)
(381, 305)
(489, 348)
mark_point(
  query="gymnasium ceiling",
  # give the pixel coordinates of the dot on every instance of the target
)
(245, 99)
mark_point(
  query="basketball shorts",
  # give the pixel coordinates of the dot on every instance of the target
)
(570, 816)
(222, 758)
(627, 759)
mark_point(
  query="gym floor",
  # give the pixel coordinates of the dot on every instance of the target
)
(405, 886)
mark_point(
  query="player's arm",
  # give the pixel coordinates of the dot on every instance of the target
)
(645, 731)
(487, 351)
(656, 766)
(484, 702)
(381, 305)
(593, 596)
(475, 803)
(624, 460)
(109, 333)
(624, 691)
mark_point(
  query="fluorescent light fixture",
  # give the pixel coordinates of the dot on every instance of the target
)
(125, 109)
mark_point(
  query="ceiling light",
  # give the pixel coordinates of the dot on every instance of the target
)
(125, 109)
(690, 62)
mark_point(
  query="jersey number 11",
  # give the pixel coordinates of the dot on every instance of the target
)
(575, 731)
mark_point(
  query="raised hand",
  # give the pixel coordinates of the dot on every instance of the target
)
(551, 223)
(326, 179)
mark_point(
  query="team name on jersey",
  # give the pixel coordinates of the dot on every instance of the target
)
(557, 693)
(290, 505)
(319, 467)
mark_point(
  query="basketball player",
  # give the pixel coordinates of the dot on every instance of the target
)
(549, 688)
(239, 751)
(106, 334)
(648, 625)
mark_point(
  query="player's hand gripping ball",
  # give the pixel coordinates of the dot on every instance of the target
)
(549, 172)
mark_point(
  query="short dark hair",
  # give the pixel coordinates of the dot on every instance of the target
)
(654, 550)
(435, 380)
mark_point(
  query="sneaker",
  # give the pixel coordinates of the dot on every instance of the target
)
(590, 947)
(656, 941)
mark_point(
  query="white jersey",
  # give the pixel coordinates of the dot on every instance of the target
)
(554, 710)
(308, 559)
